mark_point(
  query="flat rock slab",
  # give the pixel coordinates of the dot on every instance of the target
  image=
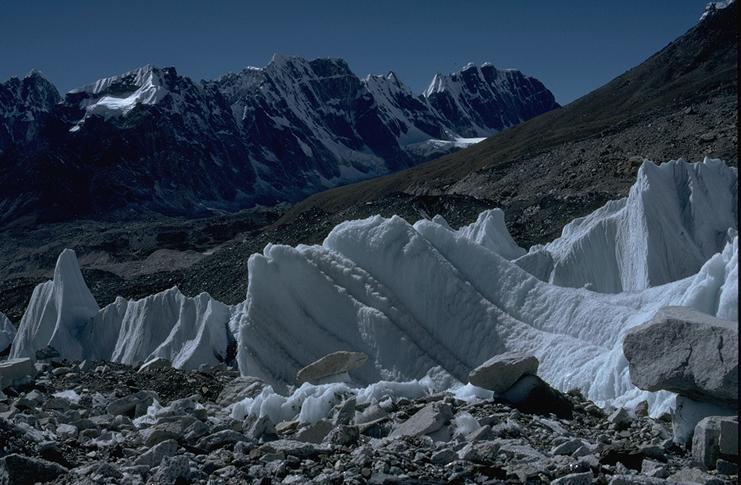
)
(501, 371)
(427, 420)
(23, 470)
(330, 365)
(687, 352)
(14, 372)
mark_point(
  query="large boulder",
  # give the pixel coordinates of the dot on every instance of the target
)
(684, 351)
(705, 442)
(15, 372)
(501, 371)
(331, 365)
(427, 420)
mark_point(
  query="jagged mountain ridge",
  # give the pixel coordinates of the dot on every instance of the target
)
(152, 139)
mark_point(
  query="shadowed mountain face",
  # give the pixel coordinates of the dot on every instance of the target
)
(679, 103)
(151, 140)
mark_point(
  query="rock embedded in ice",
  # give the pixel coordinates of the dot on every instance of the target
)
(501, 371)
(15, 372)
(687, 352)
(427, 420)
(705, 441)
(334, 364)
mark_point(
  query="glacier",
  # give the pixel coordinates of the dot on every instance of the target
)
(423, 296)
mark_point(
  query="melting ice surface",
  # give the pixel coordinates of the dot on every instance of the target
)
(423, 296)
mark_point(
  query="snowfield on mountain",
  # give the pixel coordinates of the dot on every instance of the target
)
(416, 297)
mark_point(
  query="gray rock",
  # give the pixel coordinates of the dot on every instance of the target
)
(501, 371)
(343, 435)
(687, 352)
(172, 470)
(315, 432)
(729, 436)
(705, 441)
(584, 478)
(161, 432)
(567, 447)
(23, 470)
(693, 475)
(427, 420)
(346, 411)
(331, 365)
(444, 456)
(154, 455)
(726, 467)
(16, 372)
(238, 389)
(296, 448)
(620, 419)
(636, 480)
(687, 413)
(220, 439)
(262, 426)
(654, 469)
(133, 405)
(480, 452)
(483, 433)
(641, 409)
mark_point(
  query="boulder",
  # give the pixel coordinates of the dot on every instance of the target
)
(584, 478)
(16, 372)
(133, 405)
(334, 364)
(684, 351)
(728, 440)
(238, 389)
(23, 470)
(705, 441)
(314, 432)
(427, 420)
(501, 371)
(154, 455)
(533, 395)
(687, 413)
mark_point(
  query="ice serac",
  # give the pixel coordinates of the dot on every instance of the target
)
(58, 313)
(63, 314)
(490, 231)
(414, 297)
(7, 332)
(676, 216)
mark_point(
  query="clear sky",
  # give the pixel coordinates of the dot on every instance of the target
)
(572, 46)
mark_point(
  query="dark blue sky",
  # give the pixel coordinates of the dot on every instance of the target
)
(573, 46)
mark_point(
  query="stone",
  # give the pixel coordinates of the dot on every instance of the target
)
(693, 475)
(726, 467)
(346, 412)
(641, 409)
(154, 455)
(636, 480)
(175, 469)
(296, 448)
(620, 419)
(444, 456)
(567, 447)
(314, 432)
(262, 426)
(47, 353)
(161, 432)
(705, 442)
(502, 371)
(483, 433)
(728, 441)
(330, 365)
(532, 395)
(133, 405)
(220, 439)
(427, 420)
(584, 478)
(156, 363)
(16, 372)
(66, 431)
(23, 470)
(238, 389)
(343, 435)
(687, 352)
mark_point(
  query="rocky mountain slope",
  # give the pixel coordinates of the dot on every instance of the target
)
(152, 140)
(679, 103)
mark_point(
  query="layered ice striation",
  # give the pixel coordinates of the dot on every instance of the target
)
(676, 216)
(423, 296)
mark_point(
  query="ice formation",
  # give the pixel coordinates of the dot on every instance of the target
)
(428, 303)
(676, 216)
(64, 315)
(414, 297)
(7, 332)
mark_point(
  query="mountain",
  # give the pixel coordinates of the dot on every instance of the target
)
(154, 140)
(679, 103)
